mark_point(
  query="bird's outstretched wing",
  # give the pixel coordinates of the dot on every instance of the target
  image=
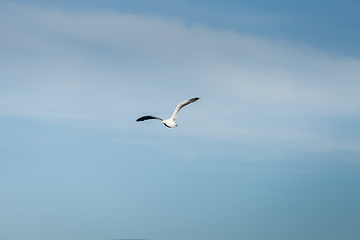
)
(147, 118)
(181, 105)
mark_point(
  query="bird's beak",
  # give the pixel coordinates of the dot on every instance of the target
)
(162, 121)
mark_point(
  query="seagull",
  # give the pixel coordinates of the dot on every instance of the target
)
(170, 123)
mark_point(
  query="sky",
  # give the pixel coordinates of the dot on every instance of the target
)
(270, 151)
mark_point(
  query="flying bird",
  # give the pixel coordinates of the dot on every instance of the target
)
(170, 123)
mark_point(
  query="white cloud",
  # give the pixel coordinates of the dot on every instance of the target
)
(110, 68)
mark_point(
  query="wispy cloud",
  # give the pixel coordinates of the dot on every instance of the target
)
(110, 68)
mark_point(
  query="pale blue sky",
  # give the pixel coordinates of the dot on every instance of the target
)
(270, 151)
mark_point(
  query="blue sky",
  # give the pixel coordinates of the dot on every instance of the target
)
(270, 151)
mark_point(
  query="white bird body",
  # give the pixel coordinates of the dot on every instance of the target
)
(170, 123)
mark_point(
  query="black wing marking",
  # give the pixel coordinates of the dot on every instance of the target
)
(147, 118)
